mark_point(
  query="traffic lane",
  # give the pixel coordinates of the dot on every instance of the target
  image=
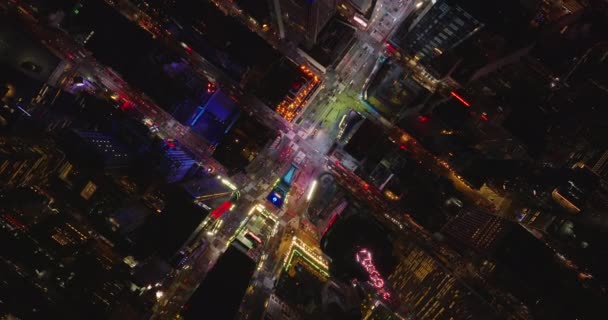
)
(197, 62)
(441, 168)
(187, 280)
(182, 286)
(252, 306)
(358, 187)
(200, 147)
(189, 276)
(283, 47)
(385, 24)
(146, 109)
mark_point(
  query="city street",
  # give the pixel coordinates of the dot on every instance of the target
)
(292, 159)
(317, 131)
(313, 137)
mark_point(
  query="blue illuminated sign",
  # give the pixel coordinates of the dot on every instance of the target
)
(276, 199)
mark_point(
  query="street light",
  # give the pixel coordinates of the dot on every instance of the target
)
(311, 190)
(229, 184)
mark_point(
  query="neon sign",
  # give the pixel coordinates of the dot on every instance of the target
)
(364, 257)
(461, 99)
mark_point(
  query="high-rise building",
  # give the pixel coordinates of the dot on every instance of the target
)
(220, 294)
(301, 21)
(410, 275)
(147, 65)
(368, 143)
(577, 123)
(332, 43)
(572, 193)
(380, 311)
(358, 12)
(475, 229)
(457, 38)
(278, 309)
(216, 117)
(242, 144)
(24, 164)
(441, 27)
(362, 5)
(600, 164)
(544, 278)
(305, 289)
(21, 52)
(304, 273)
(74, 272)
(27, 207)
(174, 164)
(549, 11)
(96, 150)
(177, 223)
(426, 289)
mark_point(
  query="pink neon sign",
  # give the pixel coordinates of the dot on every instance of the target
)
(364, 257)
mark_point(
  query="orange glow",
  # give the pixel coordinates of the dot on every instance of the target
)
(565, 203)
(289, 109)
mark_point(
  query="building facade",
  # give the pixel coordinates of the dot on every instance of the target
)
(425, 289)
(441, 27)
(475, 229)
(23, 164)
(302, 20)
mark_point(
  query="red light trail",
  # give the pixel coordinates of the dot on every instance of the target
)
(334, 215)
(461, 99)
(331, 223)
(215, 214)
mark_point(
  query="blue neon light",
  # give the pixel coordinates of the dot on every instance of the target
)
(289, 175)
(370, 107)
(199, 114)
(276, 198)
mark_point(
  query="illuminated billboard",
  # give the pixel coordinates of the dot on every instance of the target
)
(276, 198)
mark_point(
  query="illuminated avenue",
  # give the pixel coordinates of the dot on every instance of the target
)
(287, 159)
